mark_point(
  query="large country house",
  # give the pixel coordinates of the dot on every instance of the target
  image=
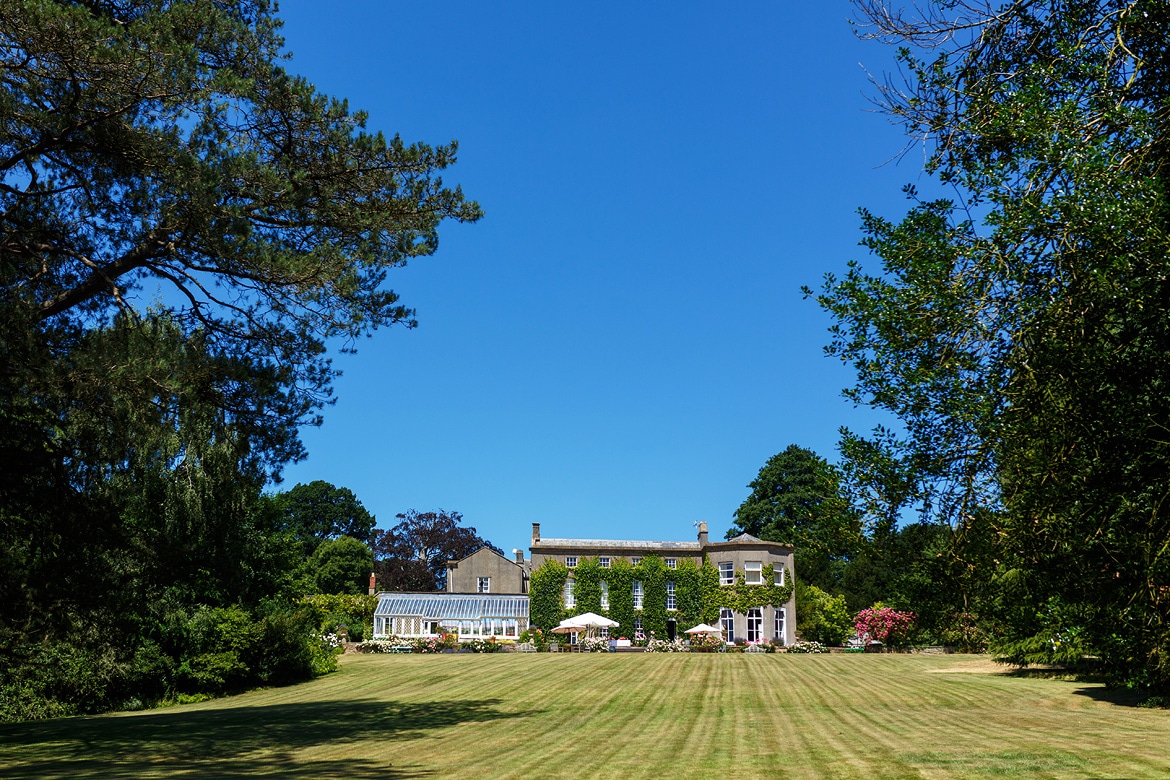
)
(487, 593)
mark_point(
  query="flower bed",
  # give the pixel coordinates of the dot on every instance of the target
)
(807, 647)
(665, 646)
(594, 644)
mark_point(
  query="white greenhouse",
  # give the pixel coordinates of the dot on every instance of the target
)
(471, 616)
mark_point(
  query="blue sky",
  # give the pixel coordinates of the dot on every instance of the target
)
(619, 345)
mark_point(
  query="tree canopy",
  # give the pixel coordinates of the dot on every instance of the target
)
(797, 499)
(157, 158)
(341, 565)
(1018, 330)
(413, 554)
(318, 511)
(185, 229)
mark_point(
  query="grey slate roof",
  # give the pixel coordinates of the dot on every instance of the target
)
(616, 544)
(452, 606)
(745, 538)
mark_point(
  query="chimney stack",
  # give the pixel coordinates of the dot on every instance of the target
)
(536, 533)
(373, 583)
(702, 533)
(519, 555)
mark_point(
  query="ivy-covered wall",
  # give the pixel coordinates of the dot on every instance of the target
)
(546, 588)
(698, 594)
(741, 597)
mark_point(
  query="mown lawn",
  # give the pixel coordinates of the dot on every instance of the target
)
(624, 715)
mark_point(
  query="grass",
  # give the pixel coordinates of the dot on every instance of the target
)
(623, 715)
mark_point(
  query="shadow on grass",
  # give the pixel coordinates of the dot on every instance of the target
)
(1112, 696)
(1098, 689)
(232, 742)
(1048, 673)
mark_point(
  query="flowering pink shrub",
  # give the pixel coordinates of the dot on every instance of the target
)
(885, 625)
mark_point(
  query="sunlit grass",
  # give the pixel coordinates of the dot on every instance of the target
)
(623, 715)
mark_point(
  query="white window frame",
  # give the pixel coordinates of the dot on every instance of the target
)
(483, 585)
(778, 574)
(571, 561)
(753, 572)
(604, 561)
(672, 563)
(671, 601)
(781, 619)
(635, 561)
(755, 624)
(604, 594)
(727, 623)
(570, 596)
(726, 573)
(639, 594)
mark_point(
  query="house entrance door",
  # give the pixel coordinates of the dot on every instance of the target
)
(671, 629)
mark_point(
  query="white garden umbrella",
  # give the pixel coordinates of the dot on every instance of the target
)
(567, 629)
(587, 622)
(591, 620)
(703, 628)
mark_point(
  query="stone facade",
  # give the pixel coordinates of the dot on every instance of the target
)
(744, 555)
(486, 571)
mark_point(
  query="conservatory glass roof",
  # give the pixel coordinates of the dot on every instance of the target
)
(452, 606)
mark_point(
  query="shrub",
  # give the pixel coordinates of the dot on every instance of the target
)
(354, 611)
(807, 647)
(435, 644)
(962, 630)
(594, 644)
(384, 645)
(220, 641)
(666, 646)
(883, 624)
(55, 679)
(483, 645)
(823, 617)
(537, 637)
(289, 649)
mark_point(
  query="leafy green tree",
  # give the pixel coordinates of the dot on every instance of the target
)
(155, 145)
(821, 617)
(341, 565)
(151, 143)
(1019, 334)
(797, 499)
(318, 511)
